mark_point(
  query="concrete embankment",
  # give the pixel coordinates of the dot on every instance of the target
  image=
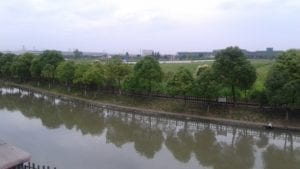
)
(97, 104)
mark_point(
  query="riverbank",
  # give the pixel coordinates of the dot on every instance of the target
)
(212, 115)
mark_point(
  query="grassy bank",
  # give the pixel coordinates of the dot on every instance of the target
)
(173, 106)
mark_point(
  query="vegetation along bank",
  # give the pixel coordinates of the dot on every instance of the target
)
(230, 76)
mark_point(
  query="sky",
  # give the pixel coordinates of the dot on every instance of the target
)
(168, 26)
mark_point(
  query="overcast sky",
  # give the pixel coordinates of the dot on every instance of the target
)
(164, 25)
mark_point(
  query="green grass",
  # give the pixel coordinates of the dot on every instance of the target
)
(172, 67)
(262, 68)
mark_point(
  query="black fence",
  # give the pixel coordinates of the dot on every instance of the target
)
(30, 165)
(228, 100)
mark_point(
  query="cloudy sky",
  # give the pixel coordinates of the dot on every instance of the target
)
(164, 25)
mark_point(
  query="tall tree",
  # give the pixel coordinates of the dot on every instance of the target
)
(50, 57)
(95, 75)
(206, 83)
(6, 60)
(77, 54)
(116, 72)
(80, 75)
(65, 72)
(20, 67)
(147, 73)
(182, 83)
(283, 81)
(48, 73)
(234, 70)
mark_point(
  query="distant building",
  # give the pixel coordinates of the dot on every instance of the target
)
(21, 52)
(269, 53)
(147, 52)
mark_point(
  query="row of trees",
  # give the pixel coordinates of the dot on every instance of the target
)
(230, 75)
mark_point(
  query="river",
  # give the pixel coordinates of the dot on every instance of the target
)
(70, 136)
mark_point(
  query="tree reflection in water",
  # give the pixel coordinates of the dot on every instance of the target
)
(184, 140)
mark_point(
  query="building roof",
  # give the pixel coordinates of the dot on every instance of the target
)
(11, 156)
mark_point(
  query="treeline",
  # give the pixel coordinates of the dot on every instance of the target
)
(231, 76)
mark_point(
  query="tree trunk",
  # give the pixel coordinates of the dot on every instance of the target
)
(69, 88)
(149, 90)
(233, 94)
(119, 85)
(207, 108)
(287, 114)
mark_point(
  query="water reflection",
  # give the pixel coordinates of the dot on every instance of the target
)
(212, 145)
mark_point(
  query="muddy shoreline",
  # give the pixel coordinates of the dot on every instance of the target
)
(97, 104)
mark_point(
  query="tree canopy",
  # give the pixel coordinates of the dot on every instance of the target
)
(116, 71)
(65, 72)
(182, 83)
(234, 70)
(147, 73)
(283, 81)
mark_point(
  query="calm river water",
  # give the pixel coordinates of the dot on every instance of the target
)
(69, 136)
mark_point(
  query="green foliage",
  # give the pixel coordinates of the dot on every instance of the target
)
(147, 74)
(79, 73)
(51, 57)
(283, 81)
(231, 74)
(48, 72)
(20, 68)
(116, 71)
(65, 72)
(182, 83)
(6, 60)
(48, 57)
(95, 74)
(234, 70)
(202, 68)
(36, 67)
(77, 54)
(207, 84)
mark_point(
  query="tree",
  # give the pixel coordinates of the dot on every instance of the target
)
(6, 61)
(234, 70)
(65, 72)
(79, 75)
(207, 84)
(36, 68)
(116, 72)
(283, 80)
(20, 67)
(48, 73)
(146, 74)
(201, 68)
(50, 57)
(77, 54)
(182, 83)
(95, 74)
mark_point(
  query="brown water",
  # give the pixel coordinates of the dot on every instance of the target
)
(70, 136)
